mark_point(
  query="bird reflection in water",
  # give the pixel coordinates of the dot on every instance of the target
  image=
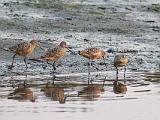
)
(56, 93)
(91, 92)
(119, 88)
(22, 93)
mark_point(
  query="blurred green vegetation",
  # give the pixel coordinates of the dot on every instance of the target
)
(49, 4)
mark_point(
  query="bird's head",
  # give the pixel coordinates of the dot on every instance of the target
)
(63, 44)
(34, 43)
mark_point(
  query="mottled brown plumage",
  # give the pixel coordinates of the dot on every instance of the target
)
(119, 87)
(22, 93)
(93, 54)
(55, 54)
(120, 61)
(57, 93)
(91, 92)
(23, 49)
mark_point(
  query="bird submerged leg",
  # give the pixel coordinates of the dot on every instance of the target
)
(26, 76)
(89, 63)
(53, 72)
(124, 74)
(24, 84)
(105, 63)
(25, 61)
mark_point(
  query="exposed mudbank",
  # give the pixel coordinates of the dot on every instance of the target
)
(130, 27)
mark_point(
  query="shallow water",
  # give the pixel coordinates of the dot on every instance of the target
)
(138, 101)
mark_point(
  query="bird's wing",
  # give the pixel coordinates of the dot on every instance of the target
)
(93, 51)
(20, 47)
(51, 52)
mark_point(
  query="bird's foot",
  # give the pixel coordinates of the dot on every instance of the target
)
(54, 68)
(91, 81)
(26, 67)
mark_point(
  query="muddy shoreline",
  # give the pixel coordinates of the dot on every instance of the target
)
(122, 27)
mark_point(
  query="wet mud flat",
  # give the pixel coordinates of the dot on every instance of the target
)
(129, 27)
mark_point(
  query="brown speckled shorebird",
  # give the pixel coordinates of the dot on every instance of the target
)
(57, 93)
(22, 93)
(120, 61)
(55, 54)
(119, 88)
(93, 54)
(23, 49)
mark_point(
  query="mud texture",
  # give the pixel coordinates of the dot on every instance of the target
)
(129, 27)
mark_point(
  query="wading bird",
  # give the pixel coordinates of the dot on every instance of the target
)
(55, 54)
(120, 61)
(23, 49)
(93, 54)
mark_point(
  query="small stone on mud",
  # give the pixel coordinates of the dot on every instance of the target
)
(102, 8)
(154, 29)
(6, 4)
(68, 18)
(86, 40)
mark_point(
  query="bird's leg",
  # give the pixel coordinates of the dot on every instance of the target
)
(47, 62)
(24, 84)
(93, 65)
(89, 71)
(12, 61)
(25, 61)
(117, 74)
(105, 63)
(54, 67)
(53, 70)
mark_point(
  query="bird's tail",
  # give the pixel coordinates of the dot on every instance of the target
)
(42, 57)
(6, 49)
